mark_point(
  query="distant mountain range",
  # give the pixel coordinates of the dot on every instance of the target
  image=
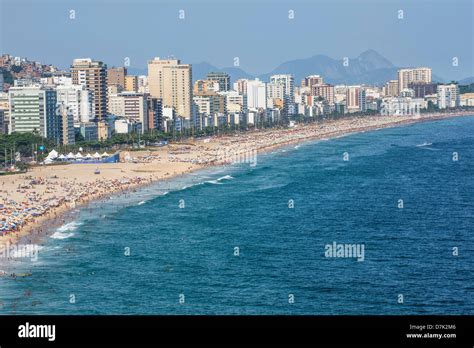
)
(369, 67)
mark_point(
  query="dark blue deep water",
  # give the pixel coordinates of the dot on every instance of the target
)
(190, 250)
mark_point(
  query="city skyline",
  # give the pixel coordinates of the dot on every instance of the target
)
(259, 51)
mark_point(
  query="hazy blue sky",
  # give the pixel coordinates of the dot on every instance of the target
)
(258, 32)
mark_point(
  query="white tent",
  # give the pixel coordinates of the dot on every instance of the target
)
(48, 160)
(96, 155)
(105, 154)
(52, 155)
(79, 155)
(88, 156)
(70, 155)
(62, 157)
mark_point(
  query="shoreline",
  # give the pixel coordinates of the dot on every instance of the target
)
(38, 228)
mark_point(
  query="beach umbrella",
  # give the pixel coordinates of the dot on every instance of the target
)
(96, 155)
(105, 154)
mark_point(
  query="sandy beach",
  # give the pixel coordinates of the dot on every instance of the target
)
(34, 202)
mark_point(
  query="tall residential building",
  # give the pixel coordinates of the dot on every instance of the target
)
(78, 101)
(131, 83)
(3, 123)
(324, 91)
(132, 106)
(241, 86)
(92, 75)
(448, 96)
(171, 81)
(353, 98)
(391, 88)
(5, 107)
(222, 78)
(413, 75)
(288, 85)
(210, 104)
(256, 94)
(33, 110)
(155, 113)
(116, 76)
(310, 81)
(66, 127)
(422, 89)
(234, 101)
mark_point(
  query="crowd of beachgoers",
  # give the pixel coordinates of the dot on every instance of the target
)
(44, 194)
(26, 198)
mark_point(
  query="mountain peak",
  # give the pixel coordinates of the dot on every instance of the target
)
(374, 60)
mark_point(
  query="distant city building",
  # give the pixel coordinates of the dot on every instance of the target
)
(312, 80)
(143, 84)
(422, 89)
(171, 81)
(92, 75)
(241, 86)
(467, 99)
(155, 113)
(116, 76)
(3, 123)
(413, 75)
(325, 91)
(353, 99)
(448, 96)
(234, 101)
(131, 106)
(391, 88)
(78, 100)
(131, 83)
(288, 83)
(5, 107)
(256, 94)
(89, 131)
(66, 125)
(33, 110)
(222, 78)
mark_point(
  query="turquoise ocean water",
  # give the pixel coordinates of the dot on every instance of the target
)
(190, 253)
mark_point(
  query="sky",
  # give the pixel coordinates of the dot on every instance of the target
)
(258, 32)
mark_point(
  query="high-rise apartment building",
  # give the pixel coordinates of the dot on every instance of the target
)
(78, 101)
(116, 76)
(324, 91)
(354, 98)
(171, 81)
(132, 106)
(310, 81)
(241, 86)
(413, 75)
(288, 83)
(256, 94)
(448, 96)
(131, 83)
(222, 78)
(33, 110)
(92, 75)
